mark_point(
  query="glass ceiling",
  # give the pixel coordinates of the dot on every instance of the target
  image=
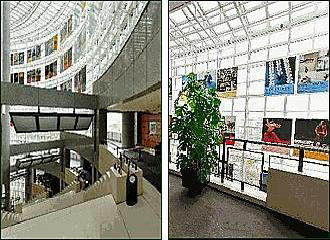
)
(32, 20)
(202, 25)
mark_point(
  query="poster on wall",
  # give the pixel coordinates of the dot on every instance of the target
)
(15, 58)
(51, 70)
(21, 58)
(33, 54)
(33, 75)
(38, 52)
(227, 82)
(277, 130)
(21, 77)
(29, 77)
(208, 78)
(38, 74)
(16, 78)
(312, 133)
(280, 76)
(313, 73)
(228, 128)
(29, 55)
(55, 42)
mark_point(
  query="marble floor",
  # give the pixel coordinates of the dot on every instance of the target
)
(217, 215)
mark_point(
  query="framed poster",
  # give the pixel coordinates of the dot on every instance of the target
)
(21, 77)
(38, 52)
(29, 77)
(228, 128)
(55, 42)
(47, 72)
(15, 58)
(313, 75)
(280, 76)
(33, 75)
(29, 55)
(33, 54)
(312, 133)
(277, 130)
(38, 74)
(21, 58)
(210, 79)
(16, 78)
(227, 82)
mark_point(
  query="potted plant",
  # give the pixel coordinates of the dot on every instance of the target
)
(198, 128)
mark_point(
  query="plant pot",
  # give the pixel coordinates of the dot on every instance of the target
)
(190, 180)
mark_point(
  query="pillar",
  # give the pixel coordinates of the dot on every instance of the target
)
(5, 76)
(28, 185)
(127, 129)
(67, 157)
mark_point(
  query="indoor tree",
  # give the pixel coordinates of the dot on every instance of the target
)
(197, 123)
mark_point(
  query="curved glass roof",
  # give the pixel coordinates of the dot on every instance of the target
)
(32, 20)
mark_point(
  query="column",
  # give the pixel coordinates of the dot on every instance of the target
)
(127, 130)
(5, 76)
(28, 185)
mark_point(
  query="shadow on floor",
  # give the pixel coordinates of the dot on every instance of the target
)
(215, 215)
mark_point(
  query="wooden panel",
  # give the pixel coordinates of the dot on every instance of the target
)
(148, 140)
(302, 197)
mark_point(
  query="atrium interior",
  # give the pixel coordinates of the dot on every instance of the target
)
(268, 63)
(80, 122)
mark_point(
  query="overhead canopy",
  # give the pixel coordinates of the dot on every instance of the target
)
(25, 122)
(35, 160)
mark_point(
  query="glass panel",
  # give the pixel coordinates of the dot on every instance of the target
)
(67, 123)
(24, 123)
(84, 122)
(48, 123)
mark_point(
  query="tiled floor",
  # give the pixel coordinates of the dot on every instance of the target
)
(214, 214)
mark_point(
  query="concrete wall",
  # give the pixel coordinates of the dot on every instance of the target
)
(299, 196)
(148, 140)
(138, 66)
